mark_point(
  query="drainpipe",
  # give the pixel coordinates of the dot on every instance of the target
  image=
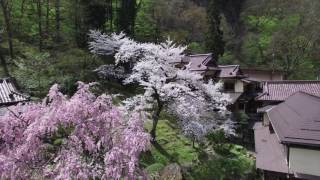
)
(288, 157)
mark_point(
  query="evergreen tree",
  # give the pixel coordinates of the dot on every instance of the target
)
(126, 16)
(91, 15)
(214, 41)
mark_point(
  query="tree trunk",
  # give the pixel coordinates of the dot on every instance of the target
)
(47, 18)
(7, 20)
(39, 9)
(126, 16)
(22, 13)
(4, 65)
(110, 14)
(77, 23)
(155, 118)
(117, 15)
(57, 8)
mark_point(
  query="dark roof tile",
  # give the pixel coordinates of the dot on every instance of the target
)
(270, 154)
(297, 120)
(281, 90)
(230, 71)
(9, 94)
(201, 62)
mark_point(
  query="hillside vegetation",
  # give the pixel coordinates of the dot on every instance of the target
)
(43, 42)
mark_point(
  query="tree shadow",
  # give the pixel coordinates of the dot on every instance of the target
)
(164, 152)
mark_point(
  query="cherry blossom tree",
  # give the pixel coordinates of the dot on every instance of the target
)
(82, 137)
(166, 87)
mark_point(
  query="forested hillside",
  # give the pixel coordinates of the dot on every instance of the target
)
(85, 130)
(40, 40)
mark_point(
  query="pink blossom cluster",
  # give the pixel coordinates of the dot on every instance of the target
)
(100, 140)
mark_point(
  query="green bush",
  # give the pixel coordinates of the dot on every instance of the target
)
(232, 162)
(154, 168)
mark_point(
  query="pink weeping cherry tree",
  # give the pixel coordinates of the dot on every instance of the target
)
(82, 137)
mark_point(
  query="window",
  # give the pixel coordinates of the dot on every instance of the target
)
(229, 86)
(242, 106)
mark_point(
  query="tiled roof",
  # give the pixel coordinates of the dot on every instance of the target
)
(270, 154)
(9, 94)
(230, 71)
(200, 62)
(203, 63)
(297, 120)
(196, 59)
(281, 90)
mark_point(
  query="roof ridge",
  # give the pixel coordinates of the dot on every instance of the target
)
(5, 78)
(194, 55)
(207, 60)
(261, 69)
(231, 65)
(236, 67)
(260, 95)
(292, 81)
(303, 92)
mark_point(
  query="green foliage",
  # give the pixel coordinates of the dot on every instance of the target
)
(233, 162)
(242, 118)
(227, 161)
(268, 37)
(154, 169)
(255, 33)
(145, 27)
(242, 124)
(36, 71)
(55, 141)
(177, 148)
(217, 138)
(31, 70)
(184, 21)
(214, 40)
(269, 34)
(263, 24)
(222, 160)
(126, 16)
(196, 48)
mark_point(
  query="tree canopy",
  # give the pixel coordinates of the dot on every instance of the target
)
(179, 91)
(84, 137)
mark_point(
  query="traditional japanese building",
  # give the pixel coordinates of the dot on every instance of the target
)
(239, 86)
(275, 92)
(235, 83)
(263, 74)
(287, 141)
(203, 64)
(285, 115)
(9, 95)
